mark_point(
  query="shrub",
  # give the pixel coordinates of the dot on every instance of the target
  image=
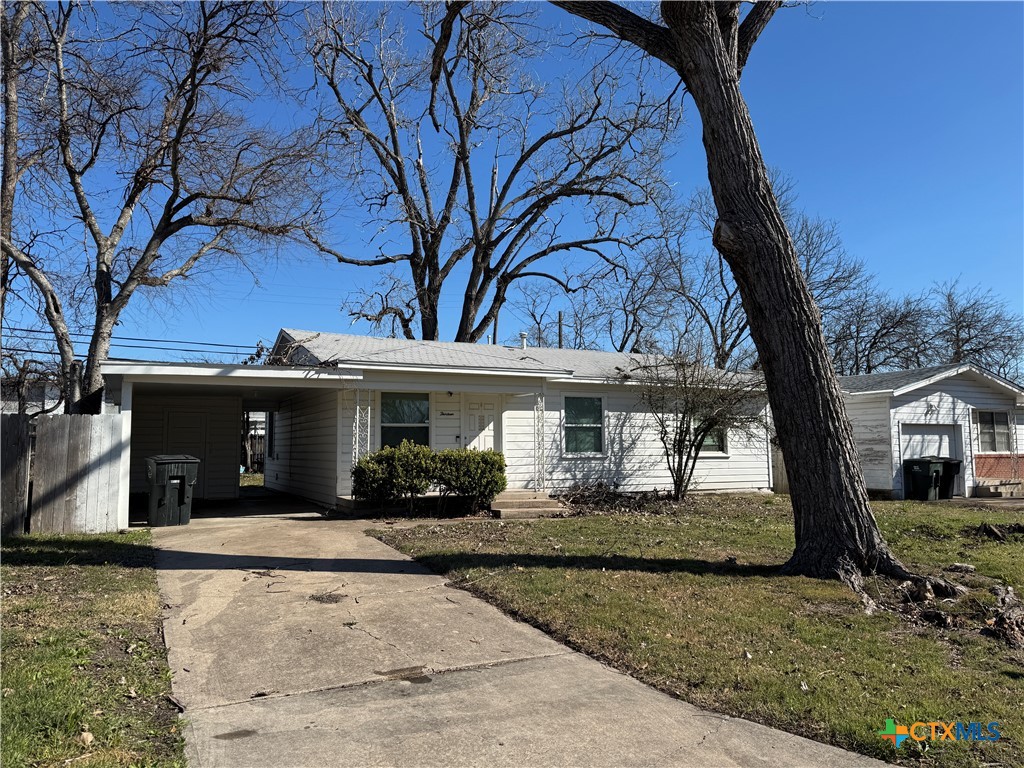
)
(408, 471)
(477, 476)
(391, 474)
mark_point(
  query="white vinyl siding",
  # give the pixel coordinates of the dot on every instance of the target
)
(950, 401)
(634, 457)
(305, 459)
(872, 434)
(218, 449)
(519, 440)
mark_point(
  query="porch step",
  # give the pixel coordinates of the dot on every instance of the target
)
(524, 505)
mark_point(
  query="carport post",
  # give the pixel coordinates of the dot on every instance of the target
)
(124, 482)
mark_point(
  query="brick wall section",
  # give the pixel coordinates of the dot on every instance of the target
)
(997, 466)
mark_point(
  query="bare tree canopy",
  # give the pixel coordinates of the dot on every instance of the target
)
(695, 405)
(131, 158)
(948, 323)
(477, 180)
(708, 44)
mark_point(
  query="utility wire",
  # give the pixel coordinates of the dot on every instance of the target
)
(134, 338)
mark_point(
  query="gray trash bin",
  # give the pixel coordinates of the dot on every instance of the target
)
(171, 480)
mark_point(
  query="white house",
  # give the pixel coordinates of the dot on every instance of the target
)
(959, 411)
(559, 416)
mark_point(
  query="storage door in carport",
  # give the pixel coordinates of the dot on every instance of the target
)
(186, 433)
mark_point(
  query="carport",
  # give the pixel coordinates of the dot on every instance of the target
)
(197, 409)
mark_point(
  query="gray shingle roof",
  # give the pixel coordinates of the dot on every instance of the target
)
(893, 380)
(345, 349)
(314, 348)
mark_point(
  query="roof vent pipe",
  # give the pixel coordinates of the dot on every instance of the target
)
(522, 338)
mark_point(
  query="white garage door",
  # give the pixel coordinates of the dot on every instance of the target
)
(929, 440)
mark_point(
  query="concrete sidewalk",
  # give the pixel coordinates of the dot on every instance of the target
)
(299, 641)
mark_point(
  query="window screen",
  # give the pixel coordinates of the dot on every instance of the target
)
(715, 441)
(404, 417)
(583, 420)
(994, 431)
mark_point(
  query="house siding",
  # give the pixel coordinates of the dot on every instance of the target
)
(304, 459)
(218, 451)
(872, 433)
(634, 457)
(950, 401)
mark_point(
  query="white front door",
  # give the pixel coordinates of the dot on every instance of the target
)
(479, 423)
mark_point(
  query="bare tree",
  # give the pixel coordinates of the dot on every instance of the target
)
(703, 280)
(974, 325)
(475, 184)
(877, 332)
(695, 404)
(948, 323)
(27, 380)
(707, 44)
(151, 165)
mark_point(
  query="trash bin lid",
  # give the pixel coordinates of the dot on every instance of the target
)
(177, 458)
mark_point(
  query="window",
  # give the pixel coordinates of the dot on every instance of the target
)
(993, 431)
(715, 442)
(584, 432)
(404, 417)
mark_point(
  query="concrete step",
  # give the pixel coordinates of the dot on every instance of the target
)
(526, 513)
(517, 502)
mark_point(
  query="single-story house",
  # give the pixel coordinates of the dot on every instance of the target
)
(560, 416)
(959, 411)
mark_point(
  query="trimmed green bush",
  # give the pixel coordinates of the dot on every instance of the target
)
(391, 474)
(477, 476)
(403, 473)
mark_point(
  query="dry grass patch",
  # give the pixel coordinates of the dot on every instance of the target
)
(85, 678)
(691, 602)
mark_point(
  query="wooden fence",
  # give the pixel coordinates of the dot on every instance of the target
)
(253, 460)
(75, 473)
(15, 452)
(780, 479)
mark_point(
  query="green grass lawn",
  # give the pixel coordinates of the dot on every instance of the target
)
(83, 653)
(691, 603)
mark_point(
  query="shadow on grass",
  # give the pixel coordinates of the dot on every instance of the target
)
(29, 551)
(61, 551)
(459, 561)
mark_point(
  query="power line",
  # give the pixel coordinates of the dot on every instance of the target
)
(134, 338)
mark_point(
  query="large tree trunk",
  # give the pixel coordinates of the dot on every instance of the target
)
(836, 534)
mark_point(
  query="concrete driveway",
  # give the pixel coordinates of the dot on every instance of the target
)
(299, 641)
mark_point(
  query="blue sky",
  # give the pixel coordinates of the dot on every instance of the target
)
(904, 122)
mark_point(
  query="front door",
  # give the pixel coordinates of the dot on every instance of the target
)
(479, 423)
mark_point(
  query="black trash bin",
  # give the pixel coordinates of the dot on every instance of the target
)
(922, 478)
(950, 469)
(171, 480)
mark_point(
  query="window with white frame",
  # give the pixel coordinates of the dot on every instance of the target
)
(994, 431)
(404, 416)
(715, 442)
(584, 425)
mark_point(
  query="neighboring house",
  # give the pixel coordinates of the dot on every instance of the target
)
(961, 411)
(39, 396)
(560, 416)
